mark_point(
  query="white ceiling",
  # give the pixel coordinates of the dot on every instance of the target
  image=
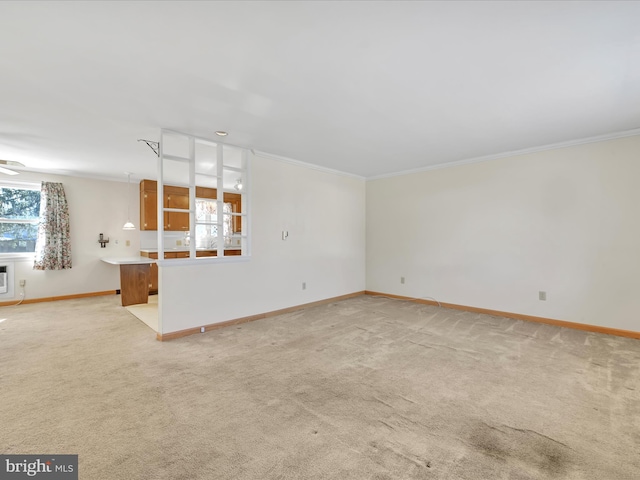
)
(368, 88)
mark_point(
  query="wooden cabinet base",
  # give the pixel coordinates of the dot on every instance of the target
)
(134, 284)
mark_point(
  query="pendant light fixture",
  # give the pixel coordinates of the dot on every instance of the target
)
(128, 225)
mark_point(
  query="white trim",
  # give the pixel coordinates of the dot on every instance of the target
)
(514, 153)
(21, 185)
(312, 166)
(17, 256)
(76, 174)
(34, 221)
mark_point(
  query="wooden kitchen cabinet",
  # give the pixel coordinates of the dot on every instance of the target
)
(235, 199)
(178, 197)
(213, 253)
(176, 221)
(153, 271)
(174, 197)
(148, 208)
(205, 192)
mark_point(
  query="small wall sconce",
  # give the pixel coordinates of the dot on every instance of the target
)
(103, 241)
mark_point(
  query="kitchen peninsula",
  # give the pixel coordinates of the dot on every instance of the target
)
(134, 278)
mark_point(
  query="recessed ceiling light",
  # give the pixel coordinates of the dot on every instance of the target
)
(220, 133)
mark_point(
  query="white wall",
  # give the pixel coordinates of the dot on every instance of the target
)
(324, 214)
(493, 234)
(95, 206)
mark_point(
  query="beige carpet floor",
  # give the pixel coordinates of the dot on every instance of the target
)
(367, 388)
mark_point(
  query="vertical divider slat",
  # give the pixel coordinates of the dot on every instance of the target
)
(220, 201)
(192, 197)
(245, 198)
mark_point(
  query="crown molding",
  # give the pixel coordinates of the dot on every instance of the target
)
(513, 153)
(311, 166)
(45, 172)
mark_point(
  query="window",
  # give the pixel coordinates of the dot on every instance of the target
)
(19, 216)
(207, 223)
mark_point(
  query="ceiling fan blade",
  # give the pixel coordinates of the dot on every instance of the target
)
(6, 171)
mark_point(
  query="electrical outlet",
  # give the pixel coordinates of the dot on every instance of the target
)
(304, 285)
(128, 243)
(23, 283)
(402, 280)
(542, 295)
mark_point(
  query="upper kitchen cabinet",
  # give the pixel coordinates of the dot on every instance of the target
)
(174, 197)
(178, 197)
(148, 205)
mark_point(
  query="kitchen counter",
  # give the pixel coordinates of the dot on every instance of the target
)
(127, 260)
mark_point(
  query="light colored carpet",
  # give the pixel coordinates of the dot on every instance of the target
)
(367, 388)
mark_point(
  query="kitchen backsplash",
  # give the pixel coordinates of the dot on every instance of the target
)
(149, 239)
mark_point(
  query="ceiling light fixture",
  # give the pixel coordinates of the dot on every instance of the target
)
(7, 171)
(221, 133)
(129, 225)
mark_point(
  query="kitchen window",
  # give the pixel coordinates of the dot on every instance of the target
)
(207, 223)
(19, 217)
